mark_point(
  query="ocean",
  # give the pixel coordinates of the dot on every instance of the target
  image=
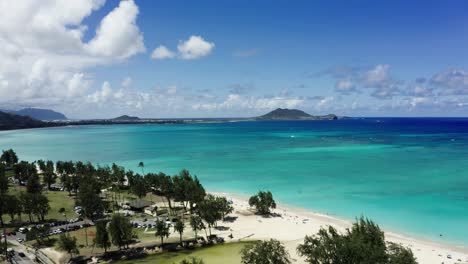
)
(409, 175)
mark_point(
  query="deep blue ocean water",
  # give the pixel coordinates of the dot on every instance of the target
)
(408, 174)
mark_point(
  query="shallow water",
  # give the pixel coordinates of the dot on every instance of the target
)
(408, 174)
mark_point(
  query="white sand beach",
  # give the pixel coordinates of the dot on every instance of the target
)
(293, 224)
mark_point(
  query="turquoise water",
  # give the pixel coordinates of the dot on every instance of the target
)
(409, 175)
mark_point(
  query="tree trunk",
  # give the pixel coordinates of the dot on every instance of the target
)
(86, 233)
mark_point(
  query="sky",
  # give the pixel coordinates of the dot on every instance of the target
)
(226, 58)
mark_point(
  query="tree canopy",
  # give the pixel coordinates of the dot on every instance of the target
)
(364, 243)
(265, 252)
(263, 201)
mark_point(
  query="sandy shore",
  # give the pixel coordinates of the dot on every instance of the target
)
(294, 224)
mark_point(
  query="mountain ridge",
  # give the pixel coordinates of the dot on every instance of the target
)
(293, 114)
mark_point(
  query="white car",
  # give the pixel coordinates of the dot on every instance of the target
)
(20, 240)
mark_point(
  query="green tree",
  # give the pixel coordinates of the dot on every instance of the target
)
(162, 231)
(40, 205)
(48, 174)
(209, 211)
(33, 185)
(3, 192)
(225, 206)
(68, 244)
(196, 222)
(142, 166)
(89, 199)
(120, 230)
(9, 158)
(263, 201)
(27, 204)
(102, 239)
(179, 228)
(265, 252)
(364, 243)
(138, 187)
(12, 206)
(400, 255)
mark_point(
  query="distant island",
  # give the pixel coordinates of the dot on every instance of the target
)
(49, 118)
(40, 114)
(293, 114)
(127, 118)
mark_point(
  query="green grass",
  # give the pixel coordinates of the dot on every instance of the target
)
(57, 200)
(228, 253)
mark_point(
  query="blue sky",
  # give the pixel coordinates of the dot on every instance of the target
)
(239, 58)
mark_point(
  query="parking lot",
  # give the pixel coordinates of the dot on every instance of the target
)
(55, 229)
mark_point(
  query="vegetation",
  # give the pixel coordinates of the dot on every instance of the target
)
(179, 228)
(68, 244)
(162, 231)
(192, 260)
(263, 201)
(265, 252)
(222, 253)
(363, 243)
(8, 158)
(102, 239)
(196, 222)
(120, 230)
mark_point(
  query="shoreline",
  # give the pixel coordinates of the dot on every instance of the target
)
(299, 222)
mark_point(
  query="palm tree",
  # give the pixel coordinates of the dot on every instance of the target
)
(142, 166)
(179, 228)
(162, 230)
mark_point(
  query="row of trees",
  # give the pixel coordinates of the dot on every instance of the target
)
(31, 202)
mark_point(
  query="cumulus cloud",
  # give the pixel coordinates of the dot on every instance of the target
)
(195, 47)
(43, 59)
(118, 35)
(239, 102)
(345, 87)
(451, 82)
(161, 53)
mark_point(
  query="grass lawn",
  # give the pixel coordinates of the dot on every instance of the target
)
(57, 200)
(228, 253)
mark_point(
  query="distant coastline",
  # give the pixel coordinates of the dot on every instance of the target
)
(9, 121)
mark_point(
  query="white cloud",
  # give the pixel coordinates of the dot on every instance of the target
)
(345, 86)
(43, 59)
(161, 53)
(101, 95)
(377, 75)
(238, 102)
(195, 47)
(118, 35)
(451, 82)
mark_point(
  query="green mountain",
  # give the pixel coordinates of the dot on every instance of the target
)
(126, 118)
(293, 114)
(10, 121)
(40, 114)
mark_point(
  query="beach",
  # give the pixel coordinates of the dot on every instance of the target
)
(292, 224)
